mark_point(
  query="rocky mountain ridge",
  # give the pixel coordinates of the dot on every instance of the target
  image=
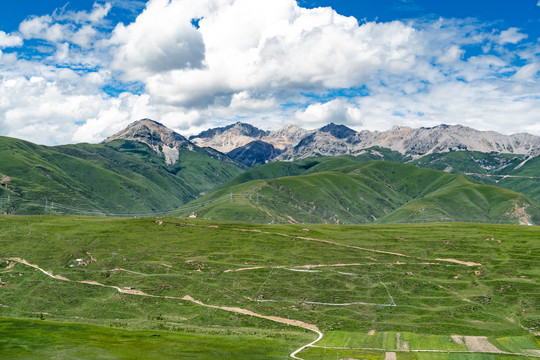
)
(331, 140)
(162, 140)
(247, 144)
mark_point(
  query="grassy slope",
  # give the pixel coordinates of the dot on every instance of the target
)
(347, 191)
(119, 178)
(529, 186)
(470, 161)
(459, 162)
(498, 298)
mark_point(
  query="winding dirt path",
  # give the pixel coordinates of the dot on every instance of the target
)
(237, 310)
(468, 263)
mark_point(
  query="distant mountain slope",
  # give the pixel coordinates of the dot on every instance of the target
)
(334, 139)
(234, 136)
(121, 177)
(256, 152)
(516, 172)
(346, 191)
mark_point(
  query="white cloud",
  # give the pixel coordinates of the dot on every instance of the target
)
(9, 40)
(42, 27)
(336, 111)
(527, 72)
(243, 45)
(451, 55)
(78, 27)
(160, 40)
(511, 36)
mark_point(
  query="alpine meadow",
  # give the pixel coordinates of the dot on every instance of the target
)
(270, 179)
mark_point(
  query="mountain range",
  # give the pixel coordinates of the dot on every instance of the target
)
(333, 174)
(292, 142)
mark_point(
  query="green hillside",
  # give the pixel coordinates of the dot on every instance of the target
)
(470, 162)
(344, 190)
(169, 288)
(122, 178)
(490, 168)
(525, 179)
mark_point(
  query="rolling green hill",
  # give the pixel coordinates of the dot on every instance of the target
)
(121, 177)
(344, 190)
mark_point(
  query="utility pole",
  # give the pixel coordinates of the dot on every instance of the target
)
(46, 204)
(257, 198)
(231, 196)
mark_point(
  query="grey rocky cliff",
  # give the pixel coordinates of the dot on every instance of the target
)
(159, 137)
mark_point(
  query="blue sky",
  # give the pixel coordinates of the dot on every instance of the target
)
(82, 70)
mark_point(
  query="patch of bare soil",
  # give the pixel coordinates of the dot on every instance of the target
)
(390, 356)
(133, 292)
(401, 345)
(480, 344)
(520, 213)
(458, 339)
(247, 268)
(49, 273)
(248, 230)
(371, 332)
(468, 263)
(91, 282)
(91, 256)
(60, 277)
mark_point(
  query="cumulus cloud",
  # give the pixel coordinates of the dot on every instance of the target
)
(337, 111)
(9, 40)
(78, 27)
(256, 46)
(511, 36)
(161, 39)
(42, 27)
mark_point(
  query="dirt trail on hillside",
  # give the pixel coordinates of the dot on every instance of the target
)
(251, 313)
(309, 266)
(467, 263)
(237, 310)
(278, 319)
(48, 273)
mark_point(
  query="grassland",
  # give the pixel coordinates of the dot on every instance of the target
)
(492, 294)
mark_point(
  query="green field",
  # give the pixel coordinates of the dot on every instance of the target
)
(495, 295)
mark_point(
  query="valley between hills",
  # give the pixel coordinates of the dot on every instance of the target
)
(152, 245)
